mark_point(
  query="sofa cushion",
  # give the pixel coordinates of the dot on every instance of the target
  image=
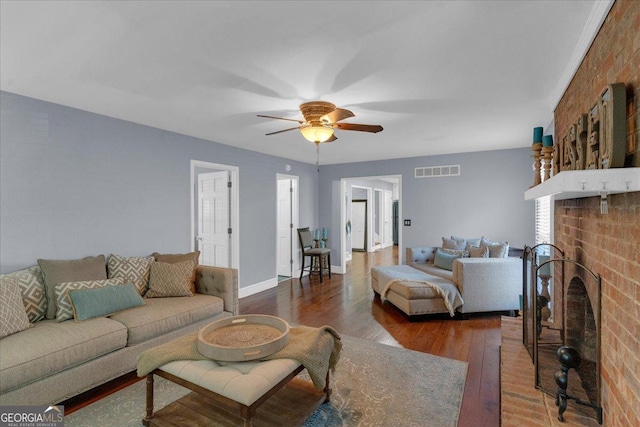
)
(430, 268)
(496, 249)
(445, 260)
(63, 302)
(478, 251)
(59, 271)
(451, 243)
(34, 294)
(103, 301)
(50, 347)
(473, 241)
(161, 315)
(174, 258)
(170, 280)
(133, 270)
(13, 316)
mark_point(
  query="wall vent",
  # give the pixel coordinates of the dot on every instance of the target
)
(437, 171)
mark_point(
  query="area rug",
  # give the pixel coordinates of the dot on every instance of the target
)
(374, 385)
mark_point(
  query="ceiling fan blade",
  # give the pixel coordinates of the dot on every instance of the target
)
(280, 118)
(283, 130)
(333, 138)
(358, 127)
(337, 115)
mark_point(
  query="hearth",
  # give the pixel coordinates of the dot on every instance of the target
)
(566, 347)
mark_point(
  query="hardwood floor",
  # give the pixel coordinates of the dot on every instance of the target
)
(346, 302)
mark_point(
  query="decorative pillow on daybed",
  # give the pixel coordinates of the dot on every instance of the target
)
(445, 260)
(76, 270)
(453, 243)
(13, 316)
(34, 294)
(170, 280)
(473, 242)
(477, 251)
(133, 270)
(103, 301)
(174, 258)
(65, 310)
(496, 249)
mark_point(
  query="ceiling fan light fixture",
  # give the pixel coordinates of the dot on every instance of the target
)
(316, 133)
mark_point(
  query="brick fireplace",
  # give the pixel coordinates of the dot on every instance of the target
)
(609, 244)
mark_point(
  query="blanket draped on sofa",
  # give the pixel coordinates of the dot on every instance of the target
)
(317, 349)
(448, 292)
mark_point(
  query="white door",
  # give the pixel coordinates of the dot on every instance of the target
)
(388, 219)
(359, 225)
(214, 239)
(285, 227)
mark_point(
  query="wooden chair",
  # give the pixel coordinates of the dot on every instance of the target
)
(317, 255)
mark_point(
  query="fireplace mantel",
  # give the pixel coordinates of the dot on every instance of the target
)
(587, 183)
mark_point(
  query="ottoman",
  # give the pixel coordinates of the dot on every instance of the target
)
(238, 389)
(414, 292)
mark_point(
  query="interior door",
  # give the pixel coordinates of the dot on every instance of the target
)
(388, 219)
(285, 230)
(214, 219)
(359, 225)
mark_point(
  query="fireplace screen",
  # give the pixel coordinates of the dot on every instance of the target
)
(566, 351)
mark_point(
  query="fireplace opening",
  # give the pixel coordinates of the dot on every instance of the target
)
(582, 335)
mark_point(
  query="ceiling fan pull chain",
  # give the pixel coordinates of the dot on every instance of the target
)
(318, 156)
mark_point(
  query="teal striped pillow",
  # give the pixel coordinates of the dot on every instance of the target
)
(104, 301)
(445, 260)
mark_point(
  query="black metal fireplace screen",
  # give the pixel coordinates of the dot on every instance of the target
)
(561, 328)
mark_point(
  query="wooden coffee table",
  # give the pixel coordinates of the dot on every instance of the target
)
(216, 400)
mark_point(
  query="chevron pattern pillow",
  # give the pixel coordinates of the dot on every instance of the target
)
(13, 317)
(65, 309)
(33, 291)
(134, 270)
(170, 280)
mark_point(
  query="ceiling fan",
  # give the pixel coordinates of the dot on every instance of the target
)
(320, 120)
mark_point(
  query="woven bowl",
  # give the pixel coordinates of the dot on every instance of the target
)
(241, 338)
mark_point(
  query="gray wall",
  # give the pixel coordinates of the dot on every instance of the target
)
(75, 184)
(487, 199)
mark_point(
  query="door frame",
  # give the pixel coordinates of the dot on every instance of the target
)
(234, 204)
(295, 210)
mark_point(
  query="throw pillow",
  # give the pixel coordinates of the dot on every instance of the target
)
(496, 249)
(170, 280)
(13, 316)
(60, 271)
(478, 251)
(34, 295)
(461, 254)
(455, 244)
(173, 258)
(474, 242)
(133, 270)
(103, 301)
(444, 260)
(63, 303)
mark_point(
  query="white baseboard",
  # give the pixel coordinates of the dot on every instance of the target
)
(257, 287)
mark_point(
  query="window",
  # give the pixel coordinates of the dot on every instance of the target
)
(543, 224)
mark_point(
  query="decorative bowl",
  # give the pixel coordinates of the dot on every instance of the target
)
(241, 338)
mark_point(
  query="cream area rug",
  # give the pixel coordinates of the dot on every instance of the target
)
(374, 385)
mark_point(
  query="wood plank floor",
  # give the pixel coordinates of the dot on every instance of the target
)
(346, 302)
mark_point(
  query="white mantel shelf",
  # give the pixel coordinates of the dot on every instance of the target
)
(587, 183)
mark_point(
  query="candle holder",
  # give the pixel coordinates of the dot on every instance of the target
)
(547, 154)
(537, 148)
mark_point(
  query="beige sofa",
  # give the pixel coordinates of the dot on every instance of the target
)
(52, 361)
(485, 284)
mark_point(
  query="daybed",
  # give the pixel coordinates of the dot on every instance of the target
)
(51, 360)
(484, 284)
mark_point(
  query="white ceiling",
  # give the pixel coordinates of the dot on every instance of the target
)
(439, 76)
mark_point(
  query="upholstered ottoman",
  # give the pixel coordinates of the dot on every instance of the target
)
(415, 292)
(238, 388)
